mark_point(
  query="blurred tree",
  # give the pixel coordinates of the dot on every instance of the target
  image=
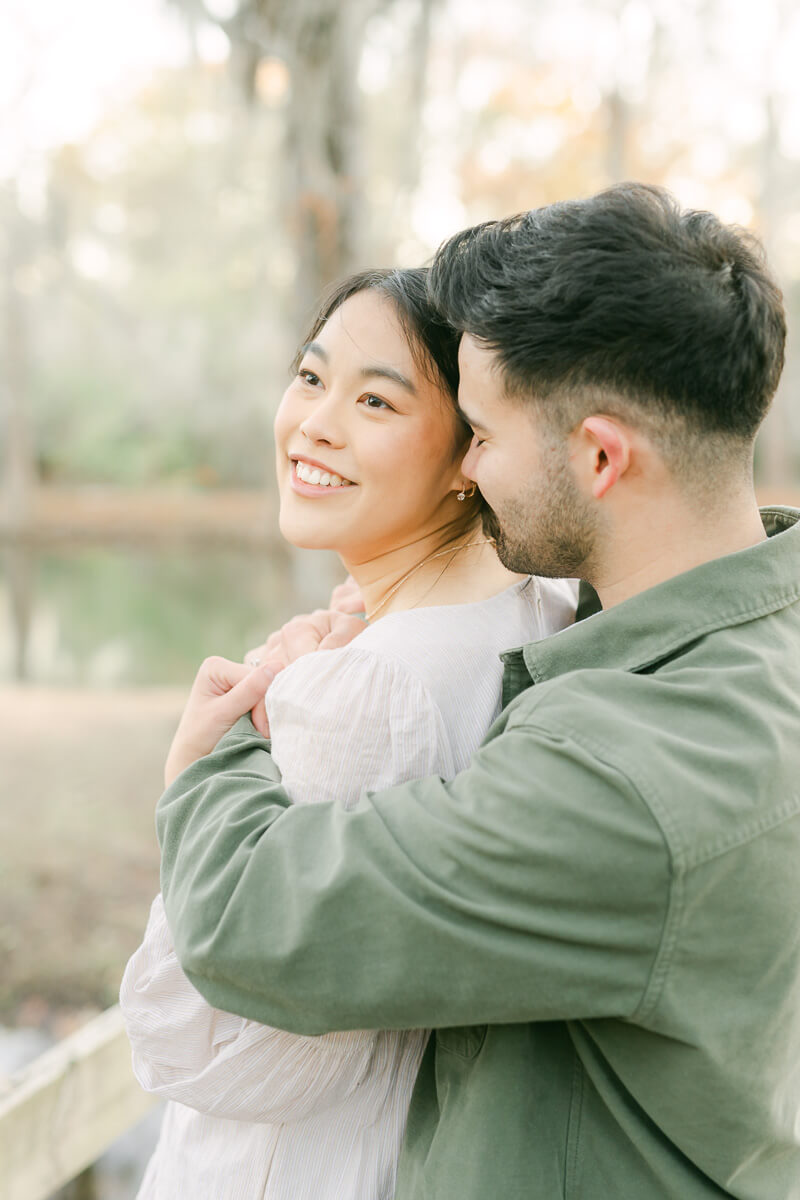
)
(19, 470)
(320, 43)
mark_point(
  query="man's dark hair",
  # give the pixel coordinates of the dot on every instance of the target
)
(625, 296)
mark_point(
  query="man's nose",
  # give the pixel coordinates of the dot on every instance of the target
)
(468, 461)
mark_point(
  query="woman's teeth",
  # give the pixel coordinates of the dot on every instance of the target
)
(320, 478)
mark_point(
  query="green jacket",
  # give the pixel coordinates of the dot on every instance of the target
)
(600, 917)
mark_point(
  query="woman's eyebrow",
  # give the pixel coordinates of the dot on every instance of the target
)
(314, 348)
(372, 371)
(382, 372)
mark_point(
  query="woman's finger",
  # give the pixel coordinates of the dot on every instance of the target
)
(260, 654)
(347, 598)
(218, 675)
(272, 642)
(301, 635)
(245, 695)
(343, 630)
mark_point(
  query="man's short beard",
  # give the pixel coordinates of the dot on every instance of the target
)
(551, 533)
(491, 526)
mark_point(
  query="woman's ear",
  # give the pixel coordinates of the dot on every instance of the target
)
(459, 482)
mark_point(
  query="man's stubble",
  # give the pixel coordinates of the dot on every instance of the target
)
(549, 529)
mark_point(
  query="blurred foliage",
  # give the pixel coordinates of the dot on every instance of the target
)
(160, 324)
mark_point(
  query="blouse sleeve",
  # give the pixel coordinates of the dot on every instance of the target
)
(224, 1065)
(394, 730)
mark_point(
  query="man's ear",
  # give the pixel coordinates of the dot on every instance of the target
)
(609, 452)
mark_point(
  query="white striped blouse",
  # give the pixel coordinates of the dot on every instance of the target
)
(256, 1112)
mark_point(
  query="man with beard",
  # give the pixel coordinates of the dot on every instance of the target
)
(599, 917)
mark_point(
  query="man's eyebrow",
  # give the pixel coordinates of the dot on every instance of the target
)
(314, 348)
(382, 372)
(468, 420)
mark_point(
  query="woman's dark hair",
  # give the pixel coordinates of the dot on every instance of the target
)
(432, 340)
(622, 294)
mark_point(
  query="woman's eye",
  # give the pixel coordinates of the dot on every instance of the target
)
(476, 441)
(375, 402)
(309, 376)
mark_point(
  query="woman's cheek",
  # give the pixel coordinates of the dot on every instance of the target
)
(282, 424)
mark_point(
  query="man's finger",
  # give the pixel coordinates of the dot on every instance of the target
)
(258, 715)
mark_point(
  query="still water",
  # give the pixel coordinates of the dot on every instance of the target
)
(133, 615)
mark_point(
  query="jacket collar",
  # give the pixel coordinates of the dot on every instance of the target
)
(662, 620)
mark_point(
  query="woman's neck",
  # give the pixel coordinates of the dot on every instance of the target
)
(439, 568)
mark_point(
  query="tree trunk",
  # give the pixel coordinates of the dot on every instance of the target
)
(19, 468)
(324, 183)
(18, 564)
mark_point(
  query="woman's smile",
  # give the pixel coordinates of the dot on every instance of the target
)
(364, 418)
(311, 478)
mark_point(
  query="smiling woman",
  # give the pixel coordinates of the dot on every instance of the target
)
(369, 449)
(370, 421)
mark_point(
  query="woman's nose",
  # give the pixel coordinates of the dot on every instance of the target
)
(322, 425)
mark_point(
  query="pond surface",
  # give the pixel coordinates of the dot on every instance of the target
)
(132, 615)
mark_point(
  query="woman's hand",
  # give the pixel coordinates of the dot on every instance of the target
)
(323, 629)
(346, 597)
(320, 630)
(222, 692)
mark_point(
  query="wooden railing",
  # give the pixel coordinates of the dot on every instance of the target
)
(61, 1112)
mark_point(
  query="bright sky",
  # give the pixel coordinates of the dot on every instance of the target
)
(61, 63)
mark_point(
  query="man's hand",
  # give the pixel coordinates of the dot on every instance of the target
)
(222, 692)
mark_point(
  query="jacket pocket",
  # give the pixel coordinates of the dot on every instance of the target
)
(464, 1040)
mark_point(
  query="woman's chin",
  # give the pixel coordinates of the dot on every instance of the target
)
(304, 538)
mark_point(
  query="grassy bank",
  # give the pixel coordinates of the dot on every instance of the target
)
(78, 853)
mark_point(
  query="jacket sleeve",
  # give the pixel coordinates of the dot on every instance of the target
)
(186, 1050)
(533, 886)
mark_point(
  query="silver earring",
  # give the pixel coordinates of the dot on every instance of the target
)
(461, 496)
(467, 495)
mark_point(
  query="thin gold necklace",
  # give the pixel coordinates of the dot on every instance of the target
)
(439, 554)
